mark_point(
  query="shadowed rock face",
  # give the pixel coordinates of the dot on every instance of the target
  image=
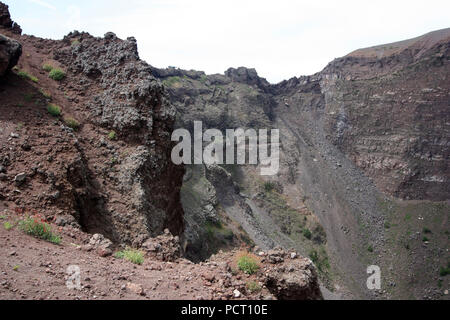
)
(130, 101)
(10, 52)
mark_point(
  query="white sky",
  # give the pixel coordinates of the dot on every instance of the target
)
(280, 39)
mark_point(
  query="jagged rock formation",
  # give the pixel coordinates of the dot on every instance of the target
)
(123, 186)
(370, 125)
(6, 21)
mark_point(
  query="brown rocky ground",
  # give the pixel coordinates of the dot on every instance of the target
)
(34, 269)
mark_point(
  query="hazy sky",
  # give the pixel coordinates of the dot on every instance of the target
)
(281, 39)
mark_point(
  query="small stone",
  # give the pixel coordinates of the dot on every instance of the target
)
(209, 277)
(236, 293)
(135, 288)
(104, 252)
(293, 255)
(20, 178)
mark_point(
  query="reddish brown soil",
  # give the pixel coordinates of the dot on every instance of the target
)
(35, 269)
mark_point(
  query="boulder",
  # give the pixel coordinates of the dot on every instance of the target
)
(294, 280)
(10, 52)
(102, 245)
(165, 247)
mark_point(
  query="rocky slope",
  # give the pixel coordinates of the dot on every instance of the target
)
(88, 152)
(126, 187)
(360, 141)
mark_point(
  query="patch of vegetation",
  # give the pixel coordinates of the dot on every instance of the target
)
(320, 259)
(47, 67)
(247, 264)
(370, 248)
(112, 135)
(57, 74)
(425, 239)
(254, 287)
(307, 233)
(171, 81)
(8, 226)
(16, 268)
(217, 231)
(72, 123)
(54, 110)
(203, 79)
(387, 225)
(25, 75)
(46, 94)
(269, 186)
(38, 228)
(426, 231)
(132, 255)
(445, 271)
(75, 42)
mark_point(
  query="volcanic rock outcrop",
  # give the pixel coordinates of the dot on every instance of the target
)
(106, 159)
(10, 52)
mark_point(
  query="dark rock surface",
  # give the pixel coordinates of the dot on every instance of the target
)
(10, 52)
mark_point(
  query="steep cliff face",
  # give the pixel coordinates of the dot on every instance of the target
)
(387, 109)
(370, 126)
(103, 162)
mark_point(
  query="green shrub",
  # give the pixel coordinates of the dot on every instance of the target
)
(25, 75)
(72, 123)
(8, 226)
(370, 248)
(307, 233)
(112, 135)
(54, 110)
(425, 239)
(132, 255)
(171, 81)
(57, 74)
(445, 271)
(248, 264)
(253, 287)
(320, 259)
(426, 231)
(39, 229)
(387, 225)
(47, 67)
(269, 186)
